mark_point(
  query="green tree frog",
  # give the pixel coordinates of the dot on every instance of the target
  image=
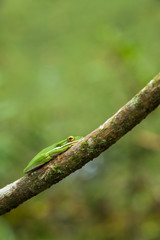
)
(50, 152)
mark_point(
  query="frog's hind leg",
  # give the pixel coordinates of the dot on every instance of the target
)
(47, 159)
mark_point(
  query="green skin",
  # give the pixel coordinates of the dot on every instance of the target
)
(50, 152)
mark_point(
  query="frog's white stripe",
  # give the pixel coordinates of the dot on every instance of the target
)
(56, 148)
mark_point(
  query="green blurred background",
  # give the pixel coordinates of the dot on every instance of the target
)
(65, 67)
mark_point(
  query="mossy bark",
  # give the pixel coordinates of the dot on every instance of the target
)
(85, 150)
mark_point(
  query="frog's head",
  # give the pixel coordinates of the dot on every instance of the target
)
(69, 141)
(72, 138)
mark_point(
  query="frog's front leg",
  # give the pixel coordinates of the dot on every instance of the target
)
(46, 156)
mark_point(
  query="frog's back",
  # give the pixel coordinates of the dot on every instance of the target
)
(47, 149)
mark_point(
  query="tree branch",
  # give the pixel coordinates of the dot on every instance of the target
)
(84, 151)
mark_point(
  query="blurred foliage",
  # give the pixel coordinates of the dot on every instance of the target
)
(65, 67)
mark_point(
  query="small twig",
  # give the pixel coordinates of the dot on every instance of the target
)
(84, 151)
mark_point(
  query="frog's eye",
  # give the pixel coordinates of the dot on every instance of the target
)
(71, 139)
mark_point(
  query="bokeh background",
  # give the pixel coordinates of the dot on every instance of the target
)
(65, 67)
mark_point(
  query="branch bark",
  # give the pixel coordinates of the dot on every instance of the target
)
(84, 151)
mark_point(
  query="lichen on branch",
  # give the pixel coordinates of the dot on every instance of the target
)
(85, 150)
